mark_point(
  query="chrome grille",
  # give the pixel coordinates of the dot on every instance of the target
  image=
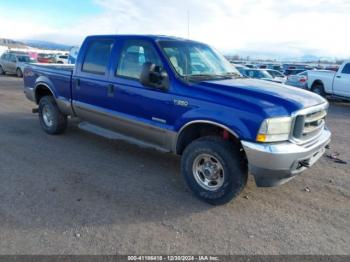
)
(309, 123)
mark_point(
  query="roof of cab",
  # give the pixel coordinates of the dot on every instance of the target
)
(145, 37)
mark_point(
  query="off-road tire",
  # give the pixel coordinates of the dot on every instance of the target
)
(59, 120)
(235, 170)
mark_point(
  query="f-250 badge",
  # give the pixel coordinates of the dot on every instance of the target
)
(178, 102)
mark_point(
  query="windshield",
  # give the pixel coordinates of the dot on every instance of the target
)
(24, 59)
(194, 60)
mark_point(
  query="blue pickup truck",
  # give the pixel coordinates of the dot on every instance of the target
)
(183, 97)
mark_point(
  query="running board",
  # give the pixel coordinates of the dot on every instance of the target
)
(343, 98)
(106, 133)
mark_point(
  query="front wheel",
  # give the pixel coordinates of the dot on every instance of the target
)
(51, 119)
(213, 169)
(19, 72)
(2, 72)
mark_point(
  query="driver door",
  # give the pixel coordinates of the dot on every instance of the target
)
(143, 111)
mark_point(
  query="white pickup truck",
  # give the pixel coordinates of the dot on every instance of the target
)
(329, 83)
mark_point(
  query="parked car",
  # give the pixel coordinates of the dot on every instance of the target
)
(299, 80)
(276, 67)
(303, 67)
(61, 59)
(14, 63)
(250, 66)
(45, 58)
(330, 83)
(151, 90)
(260, 74)
(293, 71)
(277, 75)
(73, 54)
(240, 68)
(332, 68)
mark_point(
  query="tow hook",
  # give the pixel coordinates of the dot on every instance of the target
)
(35, 110)
(305, 163)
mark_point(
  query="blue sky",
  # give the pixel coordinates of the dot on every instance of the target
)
(271, 27)
(52, 12)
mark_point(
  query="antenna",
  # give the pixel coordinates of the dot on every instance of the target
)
(188, 24)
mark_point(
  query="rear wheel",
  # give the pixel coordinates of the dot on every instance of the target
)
(2, 72)
(319, 89)
(51, 119)
(19, 72)
(213, 170)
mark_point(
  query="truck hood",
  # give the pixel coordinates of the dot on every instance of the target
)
(272, 98)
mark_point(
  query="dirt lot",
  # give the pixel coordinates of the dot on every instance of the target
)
(82, 194)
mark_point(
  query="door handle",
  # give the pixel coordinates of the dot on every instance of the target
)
(338, 76)
(110, 90)
(78, 84)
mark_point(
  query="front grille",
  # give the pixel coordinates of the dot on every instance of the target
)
(309, 124)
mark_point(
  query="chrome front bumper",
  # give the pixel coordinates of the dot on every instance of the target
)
(275, 164)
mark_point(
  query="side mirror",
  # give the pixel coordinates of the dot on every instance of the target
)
(154, 76)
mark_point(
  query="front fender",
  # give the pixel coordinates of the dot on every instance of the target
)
(241, 127)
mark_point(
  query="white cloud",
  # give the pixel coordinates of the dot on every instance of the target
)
(293, 27)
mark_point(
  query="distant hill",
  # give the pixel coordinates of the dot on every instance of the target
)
(47, 45)
(12, 43)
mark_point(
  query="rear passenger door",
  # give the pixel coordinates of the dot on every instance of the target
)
(341, 85)
(90, 86)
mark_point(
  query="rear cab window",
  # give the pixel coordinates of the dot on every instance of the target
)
(97, 57)
(346, 69)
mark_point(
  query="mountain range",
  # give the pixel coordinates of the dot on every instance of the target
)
(46, 45)
(34, 44)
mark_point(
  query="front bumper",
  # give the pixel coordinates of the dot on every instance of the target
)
(275, 164)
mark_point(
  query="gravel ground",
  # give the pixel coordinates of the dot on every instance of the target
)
(82, 194)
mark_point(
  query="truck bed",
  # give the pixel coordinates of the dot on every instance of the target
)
(325, 77)
(59, 76)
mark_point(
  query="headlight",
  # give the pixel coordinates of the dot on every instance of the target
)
(275, 130)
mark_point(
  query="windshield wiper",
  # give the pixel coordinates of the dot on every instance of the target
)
(234, 74)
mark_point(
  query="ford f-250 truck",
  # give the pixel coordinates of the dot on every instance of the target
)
(183, 97)
(329, 83)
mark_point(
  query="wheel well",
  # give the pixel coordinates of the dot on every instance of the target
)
(41, 91)
(197, 130)
(316, 83)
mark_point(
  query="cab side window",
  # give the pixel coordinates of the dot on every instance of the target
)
(346, 69)
(97, 57)
(134, 54)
